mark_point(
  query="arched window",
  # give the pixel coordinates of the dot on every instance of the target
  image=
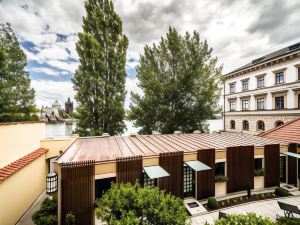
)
(245, 125)
(260, 125)
(278, 123)
(232, 124)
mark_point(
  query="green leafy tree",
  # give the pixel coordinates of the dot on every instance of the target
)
(248, 219)
(100, 78)
(128, 204)
(181, 86)
(16, 94)
(46, 215)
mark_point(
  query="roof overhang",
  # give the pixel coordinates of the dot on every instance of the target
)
(291, 154)
(197, 165)
(155, 172)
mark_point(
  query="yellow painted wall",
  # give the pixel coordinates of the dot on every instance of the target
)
(18, 140)
(56, 145)
(20, 190)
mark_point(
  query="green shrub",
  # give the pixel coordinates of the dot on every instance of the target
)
(70, 219)
(46, 215)
(248, 219)
(212, 203)
(17, 117)
(288, 221)
(219, 179)
(281, 192)
(258, 172)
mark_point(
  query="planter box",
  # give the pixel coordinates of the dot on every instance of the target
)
(220, 189)
(259, 182)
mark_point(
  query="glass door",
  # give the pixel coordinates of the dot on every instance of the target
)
(188, 182)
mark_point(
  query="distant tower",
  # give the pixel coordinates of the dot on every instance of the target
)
(69, 106)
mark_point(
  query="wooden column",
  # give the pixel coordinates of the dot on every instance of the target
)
(292, 165)
(77, 191)
(172, 162)
(206, 178)
(129, 169)
(240, 168)
(272, 165)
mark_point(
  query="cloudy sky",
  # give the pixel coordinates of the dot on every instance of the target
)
(238, 30)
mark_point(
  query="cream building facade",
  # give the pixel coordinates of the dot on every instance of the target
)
(264, 93)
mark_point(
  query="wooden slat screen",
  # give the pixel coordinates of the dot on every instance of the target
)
(172, 162)
(206, 178)
(272, 165)
(292, 165)
(129, 169)
(77, 191)
(240, 168)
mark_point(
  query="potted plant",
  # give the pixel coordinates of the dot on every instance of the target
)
(220, 185)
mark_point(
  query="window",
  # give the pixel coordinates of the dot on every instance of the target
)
(279, 78)
(258, 163)
(188, 181)
(147, 181)
(279, 102)
(298, 101)
(260, 82)
(298, 73)
(278, 123)
(245, 125)
(245, 85)
(283, 169)
(232, 106)
(260, 103)
(232, 88)
(232, 124)
(245, 105)
(220, 169)
(260, 125)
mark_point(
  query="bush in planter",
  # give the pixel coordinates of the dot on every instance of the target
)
(70, 219)
(248, 219)
(258, 172)
(220, 179)
(281, 192)
(288, 221)
(212, 203)
(46, 215)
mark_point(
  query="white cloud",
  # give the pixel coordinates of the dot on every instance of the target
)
(48, 71)
(131, 85)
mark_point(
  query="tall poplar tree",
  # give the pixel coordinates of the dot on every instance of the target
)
(99, 81)
(16, 95)
(180, 81)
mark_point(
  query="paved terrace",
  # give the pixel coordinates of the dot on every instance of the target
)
(268, 208)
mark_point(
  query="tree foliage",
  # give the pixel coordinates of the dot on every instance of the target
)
(128, 204)
(248, 219)
(16, 94)
(180, 81)
(100, 78)
(46, 215)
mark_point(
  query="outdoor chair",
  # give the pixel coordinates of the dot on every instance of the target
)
(222, 215)
(288, 209)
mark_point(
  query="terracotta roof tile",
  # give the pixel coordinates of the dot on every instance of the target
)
(17, 165)
(289, 132)
(17, 123)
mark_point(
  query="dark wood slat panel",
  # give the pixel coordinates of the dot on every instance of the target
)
(240, 168)
(292, 165)
(272, 165)
(172, 162)
(206, 179)
(129, 169)
(77, 191)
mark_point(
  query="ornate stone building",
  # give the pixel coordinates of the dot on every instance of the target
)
(265, 93)
(69, 106)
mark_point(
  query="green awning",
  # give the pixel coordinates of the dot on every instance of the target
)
(197, 165)
(295, 155)
(155, 172)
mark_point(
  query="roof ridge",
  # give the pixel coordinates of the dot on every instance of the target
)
(276, 128)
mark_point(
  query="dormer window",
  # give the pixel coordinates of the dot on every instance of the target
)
(279, 77)
(232, 88)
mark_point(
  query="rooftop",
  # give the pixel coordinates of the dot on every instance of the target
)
(109, 148)
(289, 132)
(17, 165)
(273, 55)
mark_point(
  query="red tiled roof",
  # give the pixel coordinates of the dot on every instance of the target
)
(289, 132)
(17, 123)
(17, 165)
